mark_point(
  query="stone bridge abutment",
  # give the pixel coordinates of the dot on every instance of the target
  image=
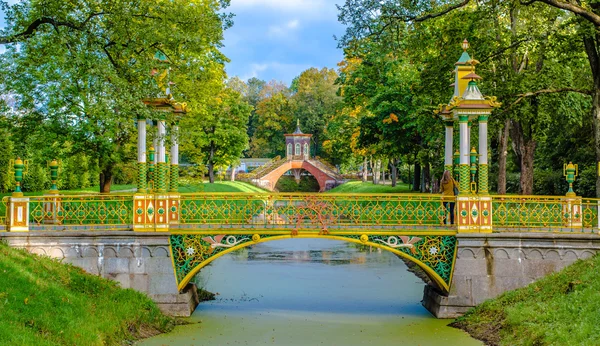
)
(488, 265)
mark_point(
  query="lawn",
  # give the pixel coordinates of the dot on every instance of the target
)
(368, 187)
(220, 186)
(46, 302)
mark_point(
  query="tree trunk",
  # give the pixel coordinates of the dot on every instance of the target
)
(596, 117)
(502, 154)
(426, 179)
(211, 163)
(233, 170)
(417, 177)
(394, 171)
(524, 147)
(365, 172)
(376, 172)
(105, 180)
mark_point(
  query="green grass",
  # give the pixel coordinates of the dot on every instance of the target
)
(220, 186)
(368, 187)
(45, 302)
(560, 309)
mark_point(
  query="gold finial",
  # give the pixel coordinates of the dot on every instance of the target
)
(465, 45)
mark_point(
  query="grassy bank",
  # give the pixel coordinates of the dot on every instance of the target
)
(220, 186)
(44, 302)
(360, 187)
(560, 309)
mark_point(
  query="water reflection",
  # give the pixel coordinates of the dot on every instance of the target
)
(312, 292)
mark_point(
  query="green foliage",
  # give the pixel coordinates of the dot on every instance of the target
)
(273, 120)
(308, 183)
(560, 309)
(314, 103)
(37, 177)
(218, 136)
(6, 154)
(45, 302)
(86, 68)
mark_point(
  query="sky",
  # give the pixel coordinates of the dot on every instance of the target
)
(278, 39)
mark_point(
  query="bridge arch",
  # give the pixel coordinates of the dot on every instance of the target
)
(277, 173)
(183, 280)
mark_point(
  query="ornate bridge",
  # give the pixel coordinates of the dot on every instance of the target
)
(133, 238)
(202, 227)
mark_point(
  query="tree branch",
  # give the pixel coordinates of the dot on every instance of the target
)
(521, 97)
(417, 19)
(31, 28)
(578, 10)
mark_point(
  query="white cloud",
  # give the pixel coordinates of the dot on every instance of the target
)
(279, 71)
(283, 30)
(255, 70)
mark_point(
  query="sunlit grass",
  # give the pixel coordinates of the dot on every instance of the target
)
(560, 309)
(368, 187)
(45, 302)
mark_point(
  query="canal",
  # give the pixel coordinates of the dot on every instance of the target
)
(312, 292)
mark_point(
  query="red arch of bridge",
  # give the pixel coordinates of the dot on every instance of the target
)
(273, 176)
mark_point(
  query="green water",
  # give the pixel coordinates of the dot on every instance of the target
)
(312, 292)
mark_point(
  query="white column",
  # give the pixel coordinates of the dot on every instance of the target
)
(469, 136)
(464, 143)
(160, 151)
(448, 148)
(141, 146)
(174, 145)
(483, 148)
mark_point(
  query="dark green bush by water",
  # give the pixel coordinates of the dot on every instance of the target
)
(288, 184)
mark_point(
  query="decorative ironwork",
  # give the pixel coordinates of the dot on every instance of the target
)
(319, 213)
(434, 253)
(544, 213)
(88, 211)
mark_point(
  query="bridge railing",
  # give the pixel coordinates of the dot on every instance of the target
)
(81, 212)
(300, 212)
(310, 211)
(545, 214)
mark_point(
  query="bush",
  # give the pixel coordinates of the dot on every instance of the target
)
(549, 182)
(288, 184)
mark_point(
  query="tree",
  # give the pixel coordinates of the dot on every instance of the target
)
(523, 50)
(217, 137)
(273, 121)
(588, 13)
(315, 102)
(85, 65)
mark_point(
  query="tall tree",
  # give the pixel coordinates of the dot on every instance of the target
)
(86, 64)
(315, 102)
(588, 14)
(217, 137)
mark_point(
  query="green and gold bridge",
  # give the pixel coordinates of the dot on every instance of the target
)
(205, 226)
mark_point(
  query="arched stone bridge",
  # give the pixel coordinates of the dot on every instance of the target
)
(323, 173)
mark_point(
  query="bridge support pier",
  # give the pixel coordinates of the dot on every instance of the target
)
(488, 265)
